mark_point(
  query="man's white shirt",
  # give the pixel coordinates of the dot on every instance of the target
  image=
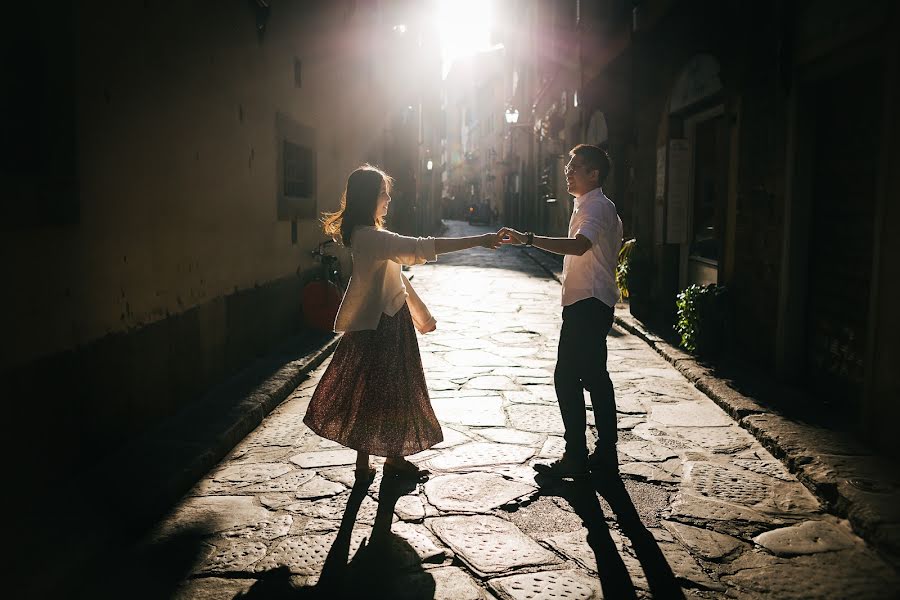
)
(593, 274)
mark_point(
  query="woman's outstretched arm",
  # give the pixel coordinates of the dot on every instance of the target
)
(487, 240)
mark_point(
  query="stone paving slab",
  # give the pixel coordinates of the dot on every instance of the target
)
(686, 568)
(452, 437)
(844, 574)
(410, 508)
(333, 508)
(289, 482)
(531, 395)
(703, 542)
(478, 411)
(724, 440)
(473, 492)
(304, 555)
(646, 451)
(268, 454)
(475, 358)
(539, 419)
(490, 382)
(318, 487)
(489, 545)
(511, 436)
(724, 517)
(479, 454)
(213, 588)
(327, 458)
(251, 473)
(215, 513)
(685, 414)
(453, 583)
(648, 472)
(808, 537)
(574, 545)
(275, 527)
(547, 585)
(233, 555)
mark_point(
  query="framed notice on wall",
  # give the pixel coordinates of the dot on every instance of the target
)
(659, 199)
(678, 190)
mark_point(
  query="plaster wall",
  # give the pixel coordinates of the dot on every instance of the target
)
(176, 152)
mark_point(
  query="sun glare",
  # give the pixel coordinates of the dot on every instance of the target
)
(465, 28)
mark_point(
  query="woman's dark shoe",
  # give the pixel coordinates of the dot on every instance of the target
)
(366, 475)
(406, 470)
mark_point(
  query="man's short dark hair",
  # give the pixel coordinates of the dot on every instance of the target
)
(594, 157)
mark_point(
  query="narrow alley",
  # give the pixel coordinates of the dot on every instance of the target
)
(702, 511)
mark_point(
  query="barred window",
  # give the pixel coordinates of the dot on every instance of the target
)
(297, 170)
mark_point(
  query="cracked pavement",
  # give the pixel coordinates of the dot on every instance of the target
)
(702, 511)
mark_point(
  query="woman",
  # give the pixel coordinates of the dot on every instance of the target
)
(373, 397)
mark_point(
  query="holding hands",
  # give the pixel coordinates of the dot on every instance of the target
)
(491, 240)
(503, 237)
(508, 235)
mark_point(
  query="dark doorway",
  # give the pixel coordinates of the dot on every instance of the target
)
(710, 191)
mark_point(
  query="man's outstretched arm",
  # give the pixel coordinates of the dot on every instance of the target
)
(577, 245)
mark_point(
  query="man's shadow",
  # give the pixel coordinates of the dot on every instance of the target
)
(581, 494)
(385, 566)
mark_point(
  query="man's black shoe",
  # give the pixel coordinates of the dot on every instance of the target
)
(603, 464)
(563, 467)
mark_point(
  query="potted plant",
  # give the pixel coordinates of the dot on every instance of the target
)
(702, 319)
(622, 268)
(636, 277)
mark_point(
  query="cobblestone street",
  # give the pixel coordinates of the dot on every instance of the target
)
(703, 510)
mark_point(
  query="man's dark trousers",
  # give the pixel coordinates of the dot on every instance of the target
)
(581, 365)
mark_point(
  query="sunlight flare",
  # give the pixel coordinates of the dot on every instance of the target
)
(464, 27)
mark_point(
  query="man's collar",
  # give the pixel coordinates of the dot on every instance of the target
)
(594, 193)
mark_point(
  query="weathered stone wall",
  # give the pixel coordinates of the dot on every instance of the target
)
(759, 222)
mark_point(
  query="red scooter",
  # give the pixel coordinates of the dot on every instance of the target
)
(322, 291)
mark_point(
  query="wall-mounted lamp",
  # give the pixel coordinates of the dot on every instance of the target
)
(512, 116)
(261, 8)
(429, 165)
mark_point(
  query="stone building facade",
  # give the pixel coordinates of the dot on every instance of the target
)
(752, 147)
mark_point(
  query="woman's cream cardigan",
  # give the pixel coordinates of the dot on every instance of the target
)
(377, 284)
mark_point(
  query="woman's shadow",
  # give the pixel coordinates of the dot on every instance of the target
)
(581, 494)
(385, 566)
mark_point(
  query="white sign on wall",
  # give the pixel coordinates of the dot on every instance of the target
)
(679, 187)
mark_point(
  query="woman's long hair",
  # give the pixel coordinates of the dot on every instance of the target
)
(358, 204)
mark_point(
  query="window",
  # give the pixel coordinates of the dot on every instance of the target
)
(296, 169)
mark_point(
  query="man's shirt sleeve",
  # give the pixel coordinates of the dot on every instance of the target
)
(591, 226)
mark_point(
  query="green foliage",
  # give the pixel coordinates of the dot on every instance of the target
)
(702, 318)
(622, 267)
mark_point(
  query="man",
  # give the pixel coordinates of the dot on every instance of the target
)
(589, 296)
